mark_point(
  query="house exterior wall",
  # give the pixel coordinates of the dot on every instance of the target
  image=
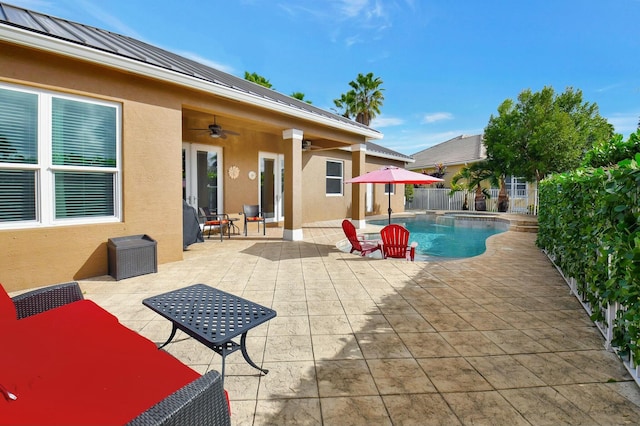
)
(151, 173)
(156, 121)
(317, 206)
(450, 171)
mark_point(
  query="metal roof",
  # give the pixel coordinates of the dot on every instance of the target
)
(127, 47)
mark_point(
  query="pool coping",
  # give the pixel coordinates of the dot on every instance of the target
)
(513, 222)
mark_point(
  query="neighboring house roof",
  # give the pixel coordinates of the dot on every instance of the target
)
(68, 38)
(459, 150)
(382, 152)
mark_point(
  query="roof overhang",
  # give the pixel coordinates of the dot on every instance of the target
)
(32, 39)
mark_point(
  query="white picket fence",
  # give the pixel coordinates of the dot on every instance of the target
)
(523, 202)
(610, 313)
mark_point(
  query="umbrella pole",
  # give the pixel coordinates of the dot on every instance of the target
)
(389, 210)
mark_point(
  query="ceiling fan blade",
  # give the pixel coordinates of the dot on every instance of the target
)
(231, 132)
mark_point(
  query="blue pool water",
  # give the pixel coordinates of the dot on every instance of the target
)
(438, 242)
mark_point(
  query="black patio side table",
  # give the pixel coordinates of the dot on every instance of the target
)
(212, 317)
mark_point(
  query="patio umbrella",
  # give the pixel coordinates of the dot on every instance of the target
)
(392, 174)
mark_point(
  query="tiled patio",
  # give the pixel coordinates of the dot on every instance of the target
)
(495, 339)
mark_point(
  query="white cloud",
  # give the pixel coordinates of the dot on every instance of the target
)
(109, 20)
(609, 87)
(352, 8)
(381, 122)
(436, 116)
(624, 123)
(204, 61)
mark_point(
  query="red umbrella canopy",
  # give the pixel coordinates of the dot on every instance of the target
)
(392, 174)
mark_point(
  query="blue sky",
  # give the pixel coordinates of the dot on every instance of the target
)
(446, 64)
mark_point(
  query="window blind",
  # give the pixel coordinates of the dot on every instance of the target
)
(17, 195)
(84, 134)
(83, 194)
(18, 127)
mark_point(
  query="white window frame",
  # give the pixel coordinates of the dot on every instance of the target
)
(392, 186)
(340, 178)
(45, 169)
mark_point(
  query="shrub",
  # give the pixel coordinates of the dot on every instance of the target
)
(589, 223)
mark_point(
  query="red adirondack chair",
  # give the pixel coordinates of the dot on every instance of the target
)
(395, 242)
(358, 243)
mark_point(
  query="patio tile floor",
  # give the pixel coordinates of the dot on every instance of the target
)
(495, 339)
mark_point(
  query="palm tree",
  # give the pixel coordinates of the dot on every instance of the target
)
(364, 100)
(258, 79)
(346, 104)
(300, 97)
(473, 175)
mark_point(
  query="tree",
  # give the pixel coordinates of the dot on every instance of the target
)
(258, 79)
(472, 177)
(300, 97)
(363, 101)
(439, 171)
(543, 133)
(611, 152)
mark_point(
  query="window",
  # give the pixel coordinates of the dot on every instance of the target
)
(389, 188)
(334, 177)
(516, 187)
(58, 159)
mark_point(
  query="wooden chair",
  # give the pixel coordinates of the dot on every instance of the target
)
(215, 220)
(395, 242)
(358, 243)
(252, 213)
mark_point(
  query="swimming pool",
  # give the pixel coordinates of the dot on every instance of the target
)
(448, 236)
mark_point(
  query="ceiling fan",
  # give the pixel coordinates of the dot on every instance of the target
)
(216, 131)
(308, 145)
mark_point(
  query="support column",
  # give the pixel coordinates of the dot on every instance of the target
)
(358, 190)
(292, 184)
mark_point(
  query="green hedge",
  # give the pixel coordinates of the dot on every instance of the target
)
(589, 223)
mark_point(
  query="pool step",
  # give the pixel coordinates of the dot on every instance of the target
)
(524, 226)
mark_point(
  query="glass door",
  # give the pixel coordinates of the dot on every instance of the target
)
(202, 176)
(272, 186)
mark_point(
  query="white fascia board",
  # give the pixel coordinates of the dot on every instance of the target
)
(62, 47)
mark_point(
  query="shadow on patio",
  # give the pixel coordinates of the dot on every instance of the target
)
(495, 339)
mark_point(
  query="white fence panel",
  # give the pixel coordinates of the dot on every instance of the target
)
(441, 199)
(606, 326)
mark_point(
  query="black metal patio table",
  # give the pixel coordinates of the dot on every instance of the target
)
(212, 317)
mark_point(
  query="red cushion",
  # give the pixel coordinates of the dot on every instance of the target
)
(7, 308)
(76, 365)
(215, 222)
(254, 218)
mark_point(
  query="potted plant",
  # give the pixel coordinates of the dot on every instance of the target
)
(470, 178)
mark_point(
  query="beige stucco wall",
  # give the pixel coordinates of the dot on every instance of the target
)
(450, 171)
(156, 120)
(151, 174)
(318, 206)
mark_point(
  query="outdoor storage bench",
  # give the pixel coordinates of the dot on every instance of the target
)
(70, 362)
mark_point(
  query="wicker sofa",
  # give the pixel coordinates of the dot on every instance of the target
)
(70, 362)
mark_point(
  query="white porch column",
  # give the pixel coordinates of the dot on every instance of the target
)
(292, 184)
(358, 190)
